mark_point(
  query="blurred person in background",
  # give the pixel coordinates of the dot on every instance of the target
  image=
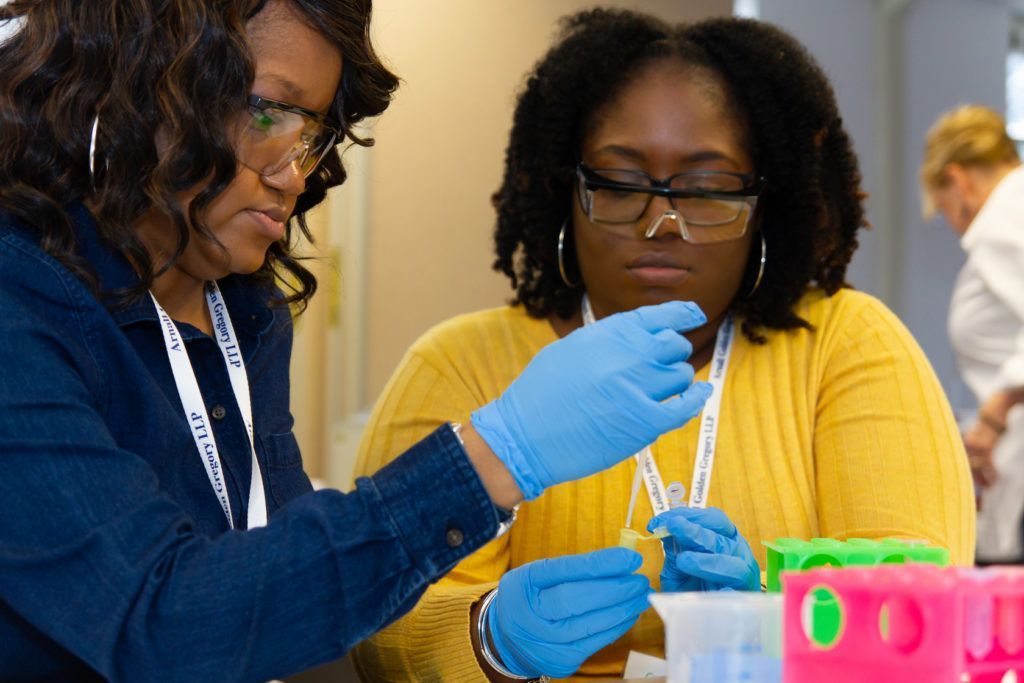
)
(702, 162)
(972, 175)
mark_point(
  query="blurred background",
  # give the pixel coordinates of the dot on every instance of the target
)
(406, 243)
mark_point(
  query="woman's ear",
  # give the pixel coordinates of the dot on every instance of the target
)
(957, 177)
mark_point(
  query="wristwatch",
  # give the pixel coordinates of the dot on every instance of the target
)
(506, 517)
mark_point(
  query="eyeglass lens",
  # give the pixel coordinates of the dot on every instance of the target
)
(707, 219)
(270, 139)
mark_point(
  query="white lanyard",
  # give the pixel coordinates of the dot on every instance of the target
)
(195, 407)
(705, 458)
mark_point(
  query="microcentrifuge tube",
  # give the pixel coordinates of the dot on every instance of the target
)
(676, 494)
(628, 538)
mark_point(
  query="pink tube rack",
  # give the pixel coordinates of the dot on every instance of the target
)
(898, 623)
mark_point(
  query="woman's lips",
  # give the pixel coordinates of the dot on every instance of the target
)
(659, 276)
(269, 225)
(658, 270)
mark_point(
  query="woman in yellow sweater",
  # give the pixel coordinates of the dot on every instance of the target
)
(703, 162)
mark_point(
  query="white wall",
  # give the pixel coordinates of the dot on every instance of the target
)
(839, 34)
(896, 65)
(954, 52)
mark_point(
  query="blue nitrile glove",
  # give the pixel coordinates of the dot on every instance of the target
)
(549, 616)
(705, 552)
(595, 397)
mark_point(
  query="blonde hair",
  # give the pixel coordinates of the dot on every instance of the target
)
(970, 135)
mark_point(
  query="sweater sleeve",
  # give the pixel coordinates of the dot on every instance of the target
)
(432, 642)
(889, 460)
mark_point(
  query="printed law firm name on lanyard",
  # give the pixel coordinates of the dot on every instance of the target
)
(708, 433)
(195, 407)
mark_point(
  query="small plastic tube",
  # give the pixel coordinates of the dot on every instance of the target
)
(676, 494)
(629, 538)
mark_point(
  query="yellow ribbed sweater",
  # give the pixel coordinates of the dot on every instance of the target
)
(840, 431)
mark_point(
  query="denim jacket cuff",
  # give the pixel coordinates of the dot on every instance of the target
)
(436, 502)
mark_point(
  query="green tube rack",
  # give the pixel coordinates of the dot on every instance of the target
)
(794, 554)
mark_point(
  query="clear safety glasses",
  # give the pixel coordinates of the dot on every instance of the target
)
(707, 206)
(273, 135)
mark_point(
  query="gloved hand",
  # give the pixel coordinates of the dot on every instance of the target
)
(705, 552)
(550, 615)
(595, 397)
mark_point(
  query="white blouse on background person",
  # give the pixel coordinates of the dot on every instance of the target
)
(986, 327)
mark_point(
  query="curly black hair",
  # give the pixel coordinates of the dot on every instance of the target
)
(178, 66)
(809, 214)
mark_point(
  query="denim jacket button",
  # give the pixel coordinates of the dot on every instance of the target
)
(454, 538)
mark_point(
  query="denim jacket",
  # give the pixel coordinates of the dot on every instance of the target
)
(116, 560)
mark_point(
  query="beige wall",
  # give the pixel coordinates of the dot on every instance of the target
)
(411, 231)
(310, 355)
(439, 155)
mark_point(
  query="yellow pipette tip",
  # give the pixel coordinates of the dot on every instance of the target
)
(629, 538)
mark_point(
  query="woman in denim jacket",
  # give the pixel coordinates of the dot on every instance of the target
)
(155, 522)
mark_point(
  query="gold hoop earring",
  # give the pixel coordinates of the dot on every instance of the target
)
(760, 268)
(561, 258)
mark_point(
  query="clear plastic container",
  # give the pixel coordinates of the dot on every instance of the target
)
(722, 637)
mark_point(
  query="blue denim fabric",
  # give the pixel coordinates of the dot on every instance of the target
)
(116, 561)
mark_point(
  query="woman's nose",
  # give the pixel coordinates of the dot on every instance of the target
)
(668, 223)
(660, 218)
(289, 179)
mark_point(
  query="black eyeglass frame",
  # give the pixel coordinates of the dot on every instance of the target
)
(331, 124)
(592, 180)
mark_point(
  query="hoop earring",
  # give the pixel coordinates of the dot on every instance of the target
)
(92, 151)
(760, 268)
(561, 259)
